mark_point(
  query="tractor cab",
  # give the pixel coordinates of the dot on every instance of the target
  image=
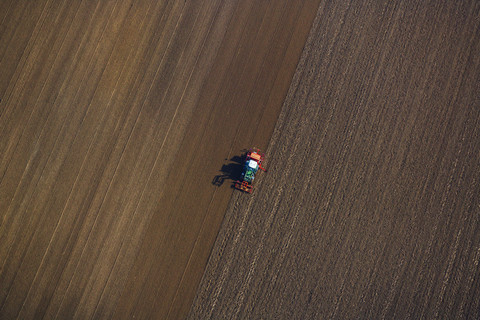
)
(253, 162)
(249, 170)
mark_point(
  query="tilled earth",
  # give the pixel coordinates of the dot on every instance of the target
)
(115, 118)
(121, 127)
(371, 205)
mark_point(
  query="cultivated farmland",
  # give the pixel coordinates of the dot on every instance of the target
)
(370, 208)
(121, 126)
(115, 116)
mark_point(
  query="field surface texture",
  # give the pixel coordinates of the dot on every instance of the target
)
(115, 118)
(371, 205)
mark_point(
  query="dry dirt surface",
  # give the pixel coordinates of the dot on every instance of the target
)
(371, 206)
(115, 116)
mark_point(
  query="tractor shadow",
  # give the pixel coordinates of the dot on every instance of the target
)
(231, 171)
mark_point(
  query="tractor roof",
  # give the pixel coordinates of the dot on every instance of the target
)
(252, 164)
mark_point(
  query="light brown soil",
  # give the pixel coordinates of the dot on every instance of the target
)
(370, 208)
(114, 118)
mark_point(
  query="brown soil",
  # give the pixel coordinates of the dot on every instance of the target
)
(115, 116)
(370, 208)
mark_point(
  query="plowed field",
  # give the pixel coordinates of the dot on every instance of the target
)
(371, 205)
(115, 116)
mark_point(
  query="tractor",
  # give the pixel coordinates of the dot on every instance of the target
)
(253, 162)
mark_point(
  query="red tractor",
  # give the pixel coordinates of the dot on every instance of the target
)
(253, 162)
